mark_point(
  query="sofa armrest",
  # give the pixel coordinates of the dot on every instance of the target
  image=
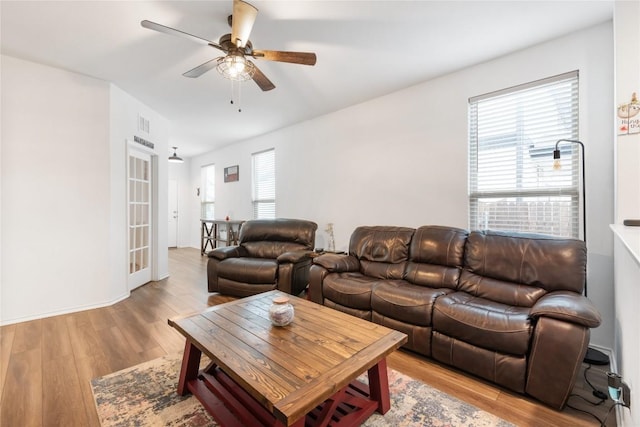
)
(335, 263)
(567, 306)
(294, 256)
(293, 270)
(227, 252)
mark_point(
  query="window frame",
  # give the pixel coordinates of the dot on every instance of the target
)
(262, 196)
(204, 203)
(488, 188)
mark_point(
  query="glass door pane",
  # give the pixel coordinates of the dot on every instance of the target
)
(139, 211)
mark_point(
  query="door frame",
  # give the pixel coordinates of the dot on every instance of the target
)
(153, 253)
(173, 183)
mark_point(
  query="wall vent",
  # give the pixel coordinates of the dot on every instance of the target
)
(143, 124)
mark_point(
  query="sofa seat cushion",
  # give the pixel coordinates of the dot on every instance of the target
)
(349, 289)
(483, 323)
(249, 270)
(400, 300)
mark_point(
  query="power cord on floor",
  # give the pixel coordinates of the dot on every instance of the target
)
(597, 393)
(586, 412)
(603, 422)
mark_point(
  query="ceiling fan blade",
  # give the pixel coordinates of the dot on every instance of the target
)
(261, 80)
(168, 30)
(201, 69)
(244, 15)
(305, 58)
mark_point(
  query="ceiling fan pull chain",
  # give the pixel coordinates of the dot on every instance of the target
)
(238, 97)
(232, 92)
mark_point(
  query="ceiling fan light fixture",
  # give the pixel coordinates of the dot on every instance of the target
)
(237, 47)
(174, 157)
(235, 67)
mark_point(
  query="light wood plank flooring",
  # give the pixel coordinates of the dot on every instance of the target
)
(46, 365)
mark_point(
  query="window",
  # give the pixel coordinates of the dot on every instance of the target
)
(264, 184)
(208, 191)
(512, 134)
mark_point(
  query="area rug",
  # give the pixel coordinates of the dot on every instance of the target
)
(145, 395)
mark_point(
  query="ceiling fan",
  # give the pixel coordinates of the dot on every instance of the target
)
(234, 65)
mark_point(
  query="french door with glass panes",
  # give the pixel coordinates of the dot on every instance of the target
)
(139, 221)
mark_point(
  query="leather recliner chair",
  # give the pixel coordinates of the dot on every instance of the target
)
(271, 253)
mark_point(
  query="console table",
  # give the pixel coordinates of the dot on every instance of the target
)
(211, 231)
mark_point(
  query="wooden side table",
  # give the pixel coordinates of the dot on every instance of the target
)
(210, 233)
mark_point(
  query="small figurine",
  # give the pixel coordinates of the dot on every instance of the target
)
(332, 241)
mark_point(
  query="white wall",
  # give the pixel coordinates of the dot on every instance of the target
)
(1, 175)
(64, 190)
(55, 190)
(401, 159)
(627, 24)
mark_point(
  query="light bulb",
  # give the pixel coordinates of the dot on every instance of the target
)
(556, 160)
(235, 65)
(238, 64)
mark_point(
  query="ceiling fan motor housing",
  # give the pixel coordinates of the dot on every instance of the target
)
(229, 47)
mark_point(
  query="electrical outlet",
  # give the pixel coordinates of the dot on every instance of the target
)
(618, 389)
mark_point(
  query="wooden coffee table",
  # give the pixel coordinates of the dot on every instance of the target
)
(301, 373)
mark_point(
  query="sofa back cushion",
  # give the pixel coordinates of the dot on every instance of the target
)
(436, 255)
(269, 238)
(518, 268)
(382, 251)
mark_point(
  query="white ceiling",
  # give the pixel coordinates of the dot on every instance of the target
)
(365, 49)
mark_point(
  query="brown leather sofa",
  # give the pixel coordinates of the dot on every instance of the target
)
(271, 253)
(505, 307)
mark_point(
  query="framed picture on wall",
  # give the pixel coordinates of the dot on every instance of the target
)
(231, 174)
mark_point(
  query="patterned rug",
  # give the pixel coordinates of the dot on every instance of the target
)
(145, 395)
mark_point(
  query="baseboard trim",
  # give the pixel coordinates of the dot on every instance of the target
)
(612, 357)
(65, 311)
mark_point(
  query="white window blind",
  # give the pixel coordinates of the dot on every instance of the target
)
(513, 185)
(208, 191)
(264, 184)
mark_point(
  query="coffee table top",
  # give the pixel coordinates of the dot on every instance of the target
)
(291, 369)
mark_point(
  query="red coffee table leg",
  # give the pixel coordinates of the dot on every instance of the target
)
(379, 386)
(190, 366)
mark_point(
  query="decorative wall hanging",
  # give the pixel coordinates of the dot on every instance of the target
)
(231, 173)
(629, 117)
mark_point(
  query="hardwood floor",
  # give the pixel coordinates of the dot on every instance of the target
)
(46, 365)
